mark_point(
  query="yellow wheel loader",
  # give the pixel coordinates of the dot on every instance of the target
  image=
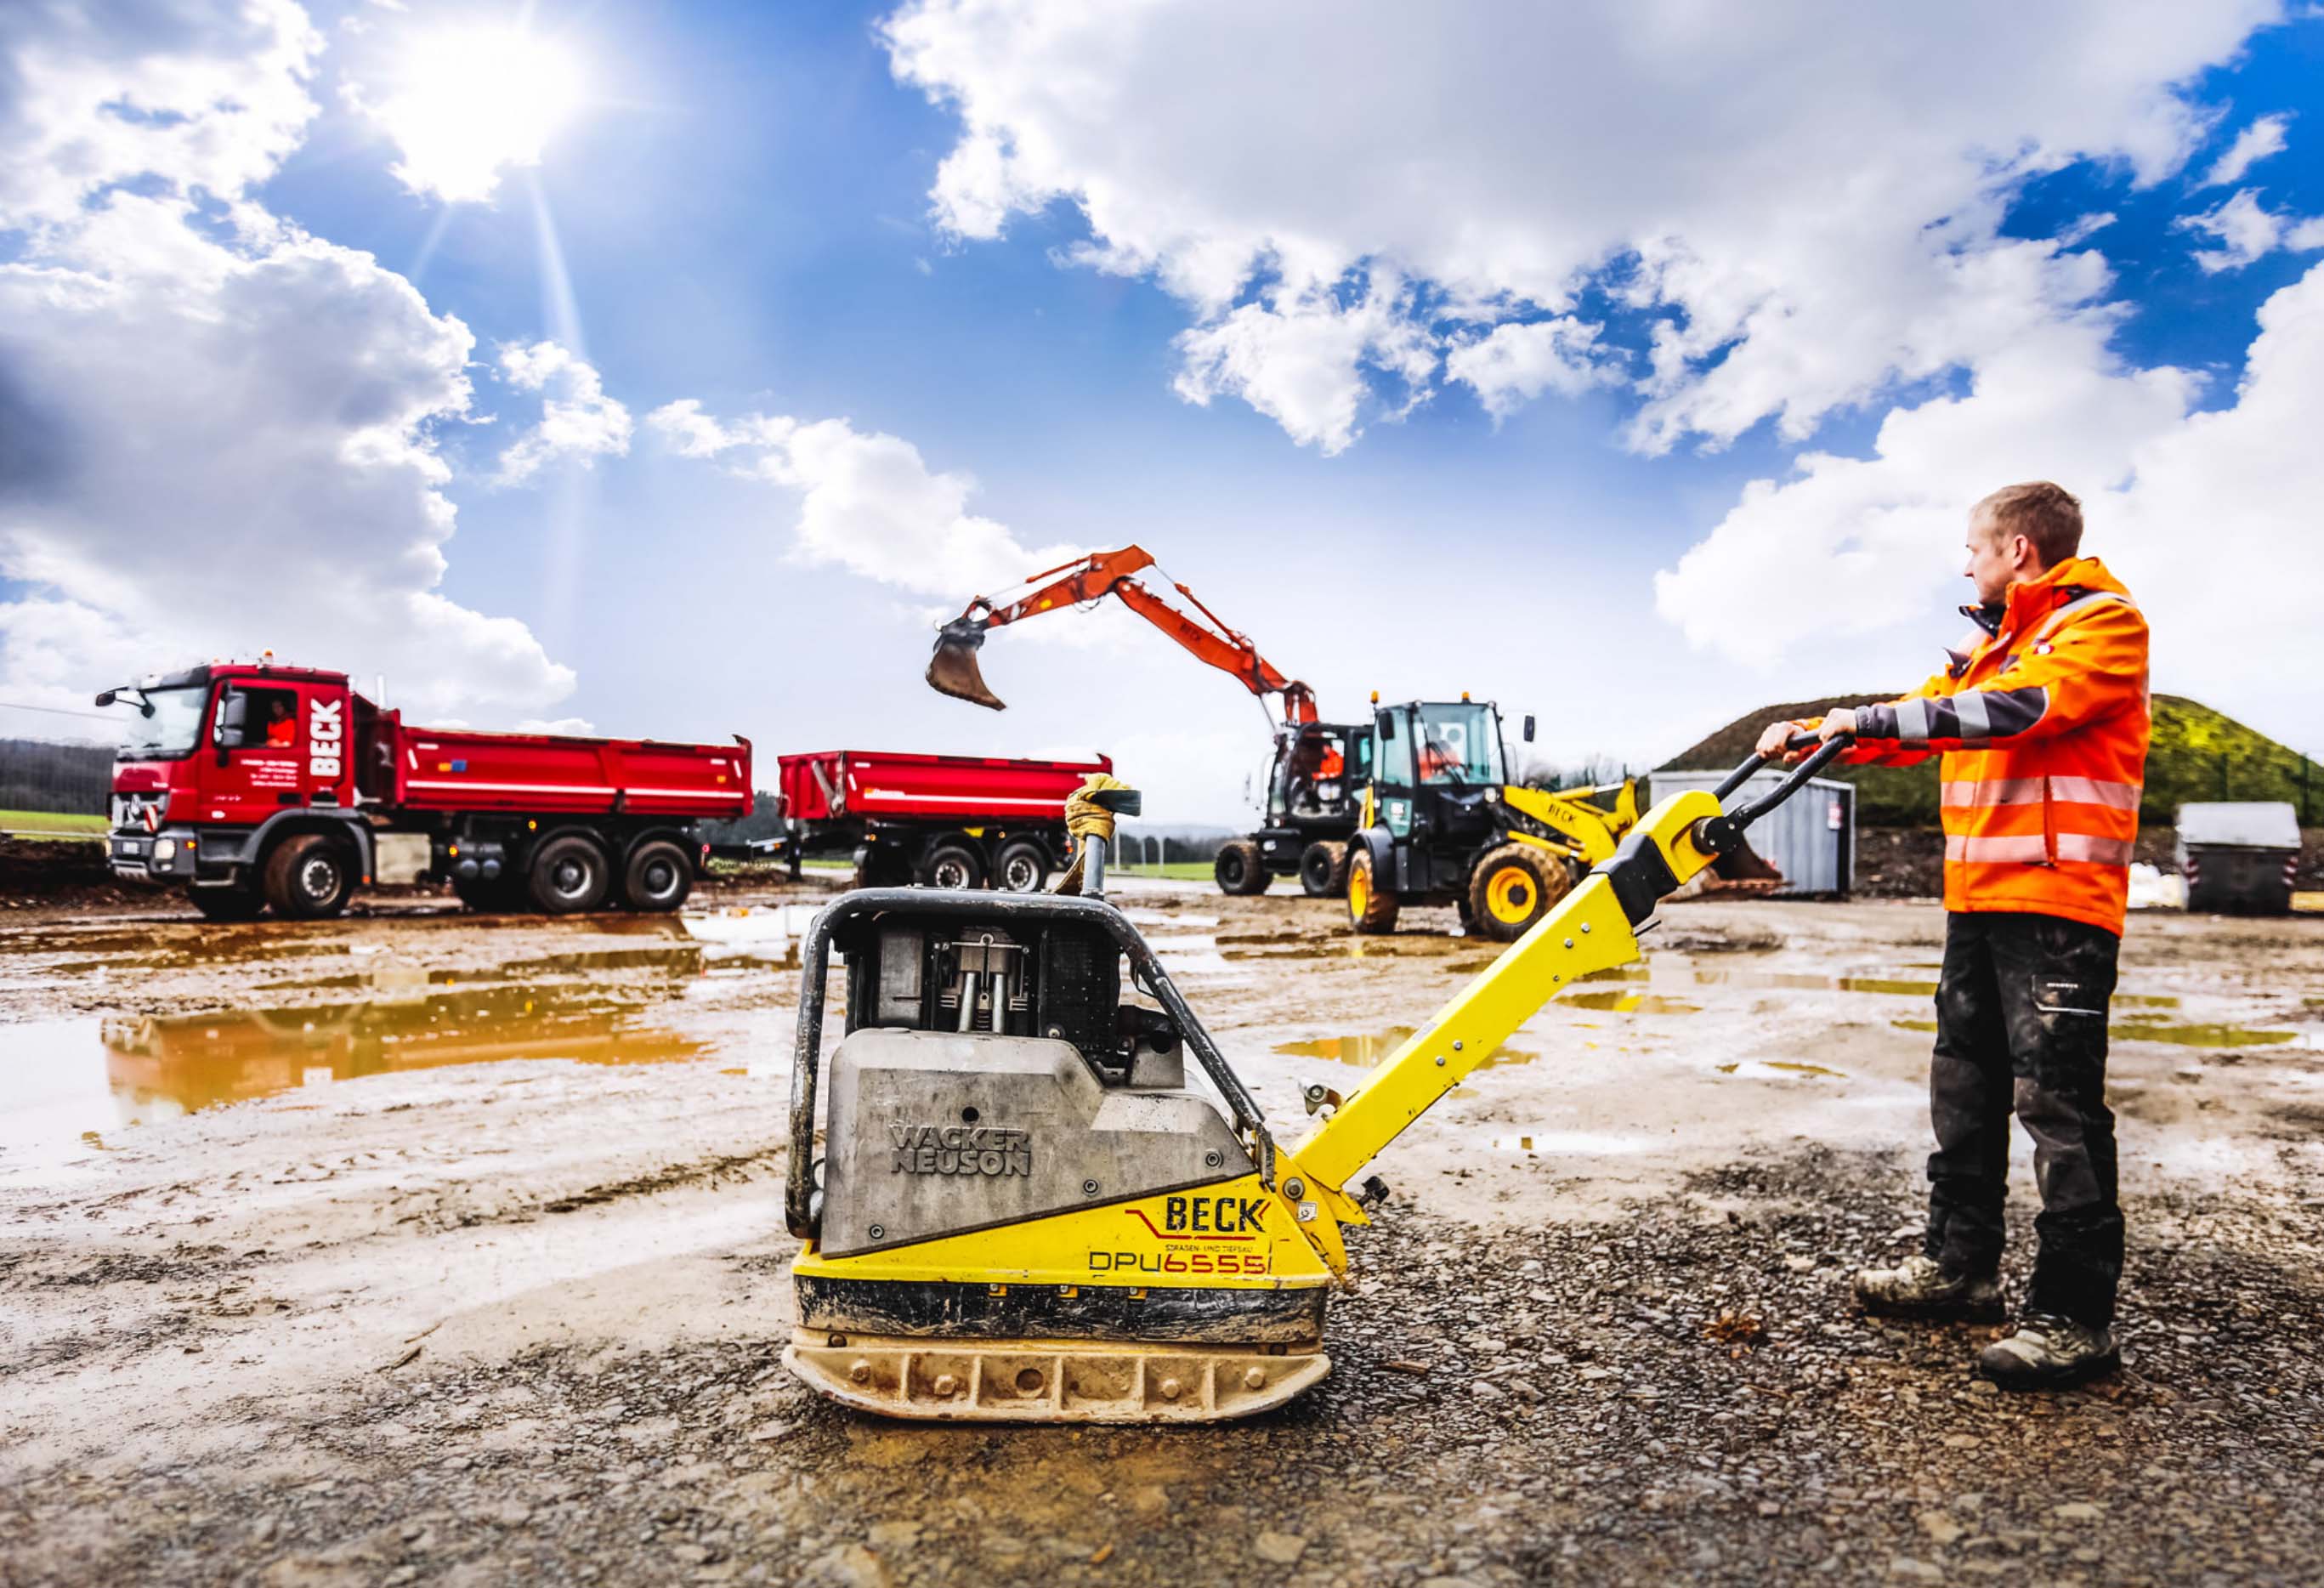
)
(1440, 823)
(1022, 1210)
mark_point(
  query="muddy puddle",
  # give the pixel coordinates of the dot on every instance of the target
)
(88, 1078)
(81, 1079)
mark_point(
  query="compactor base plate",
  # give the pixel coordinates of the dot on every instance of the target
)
(1049, 1381)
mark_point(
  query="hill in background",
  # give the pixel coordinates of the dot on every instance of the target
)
(2197, 754)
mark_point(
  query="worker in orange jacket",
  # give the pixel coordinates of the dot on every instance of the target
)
(2042, 721)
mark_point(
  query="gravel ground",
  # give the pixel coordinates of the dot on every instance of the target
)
(498, 1317)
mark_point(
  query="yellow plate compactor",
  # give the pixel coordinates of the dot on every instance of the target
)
(1023, 1213)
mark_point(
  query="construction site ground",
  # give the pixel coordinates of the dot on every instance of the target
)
(425, 1247)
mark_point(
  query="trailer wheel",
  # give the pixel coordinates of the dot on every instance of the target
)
(953, 864)
(1513, 887)
(227, 904)
(309, 876)
(1324, 869)
(1239, 869)
(570, 876)
(1371, 908)
(1024, 867)
(658, 878)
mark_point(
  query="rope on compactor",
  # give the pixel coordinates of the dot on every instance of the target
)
(1087, 818)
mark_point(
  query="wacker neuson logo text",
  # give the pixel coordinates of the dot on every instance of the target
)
(959, 1150)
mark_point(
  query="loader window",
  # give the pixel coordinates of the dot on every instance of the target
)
(1460, 744)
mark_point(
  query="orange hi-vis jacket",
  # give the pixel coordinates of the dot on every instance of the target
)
(2043, 726)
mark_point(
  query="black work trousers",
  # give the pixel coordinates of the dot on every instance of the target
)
(2022, 1025)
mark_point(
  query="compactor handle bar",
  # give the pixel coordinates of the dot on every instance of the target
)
(1716, 835)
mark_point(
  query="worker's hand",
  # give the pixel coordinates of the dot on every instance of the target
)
(1772, 742)
(1836, 722)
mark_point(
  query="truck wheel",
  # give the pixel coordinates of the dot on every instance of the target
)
(658, 878)
(1239, 869)
(309, 876)
(569, 875)
(227, 904)
(1324, 869)
(953, 864)
(1024, 867)
(1513, 887)
(1371, 908)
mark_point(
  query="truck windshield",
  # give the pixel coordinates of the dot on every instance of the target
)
(1458, 744)
(168, 730)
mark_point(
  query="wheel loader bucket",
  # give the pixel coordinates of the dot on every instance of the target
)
(1741, 869)
(953, 669)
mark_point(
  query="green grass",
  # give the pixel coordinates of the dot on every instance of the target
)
(51, 824)
(1182, 871)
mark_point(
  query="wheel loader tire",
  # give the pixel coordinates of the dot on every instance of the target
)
(953, 864)
(1023, 867)
(657, 879)
(1371, 908)
(1239, 869)
(1324, 869)
(227, 904)
(1513, 887)
(569, 875)
(309, 876)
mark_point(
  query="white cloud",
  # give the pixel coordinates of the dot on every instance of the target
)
(2254, 143)
(866, 501)
(216, 431)
(1807, 201)
(1299, 359)
(1515, 364)
(577, 421)
(2210, 517)
(2086, 227)
(2248, 230)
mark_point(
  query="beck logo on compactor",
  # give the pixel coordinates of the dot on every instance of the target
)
(959, 1150)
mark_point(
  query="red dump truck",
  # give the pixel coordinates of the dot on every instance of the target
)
(950, 821)
(251, 785)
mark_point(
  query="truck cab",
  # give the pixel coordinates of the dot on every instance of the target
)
(216, 765)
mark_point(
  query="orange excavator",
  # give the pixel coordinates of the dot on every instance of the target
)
(1319, 768)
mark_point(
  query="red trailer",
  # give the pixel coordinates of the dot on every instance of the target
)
(251, 785)
(951, 821)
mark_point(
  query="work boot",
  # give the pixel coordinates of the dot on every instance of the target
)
(2049, 1352)
(1920, 1288)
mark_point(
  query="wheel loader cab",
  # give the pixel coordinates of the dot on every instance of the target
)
(1437, 777)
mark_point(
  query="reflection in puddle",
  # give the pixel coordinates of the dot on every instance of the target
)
(1367, 1049)
(1573, 1143)
(199, 1061)
(1777, 1067)
(2179, 1035)
(1617, 972)
(1631, 1002)
(1802, 981)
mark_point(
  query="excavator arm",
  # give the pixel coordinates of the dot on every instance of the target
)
(953, 669)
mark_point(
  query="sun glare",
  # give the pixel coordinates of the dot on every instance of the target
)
(466, 102)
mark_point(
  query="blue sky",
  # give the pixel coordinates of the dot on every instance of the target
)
(755, 214)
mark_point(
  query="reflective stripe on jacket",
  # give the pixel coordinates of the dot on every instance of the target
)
(2043, 726)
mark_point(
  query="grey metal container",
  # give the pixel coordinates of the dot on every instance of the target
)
(2240, 856)
(1810, 838)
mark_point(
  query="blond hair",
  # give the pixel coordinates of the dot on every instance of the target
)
(2046, 514)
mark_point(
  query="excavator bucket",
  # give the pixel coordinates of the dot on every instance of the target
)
(1742, 871)
(953, 669)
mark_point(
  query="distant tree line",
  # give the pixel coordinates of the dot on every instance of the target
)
(38, 774)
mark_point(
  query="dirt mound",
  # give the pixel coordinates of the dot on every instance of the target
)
(57, 871)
